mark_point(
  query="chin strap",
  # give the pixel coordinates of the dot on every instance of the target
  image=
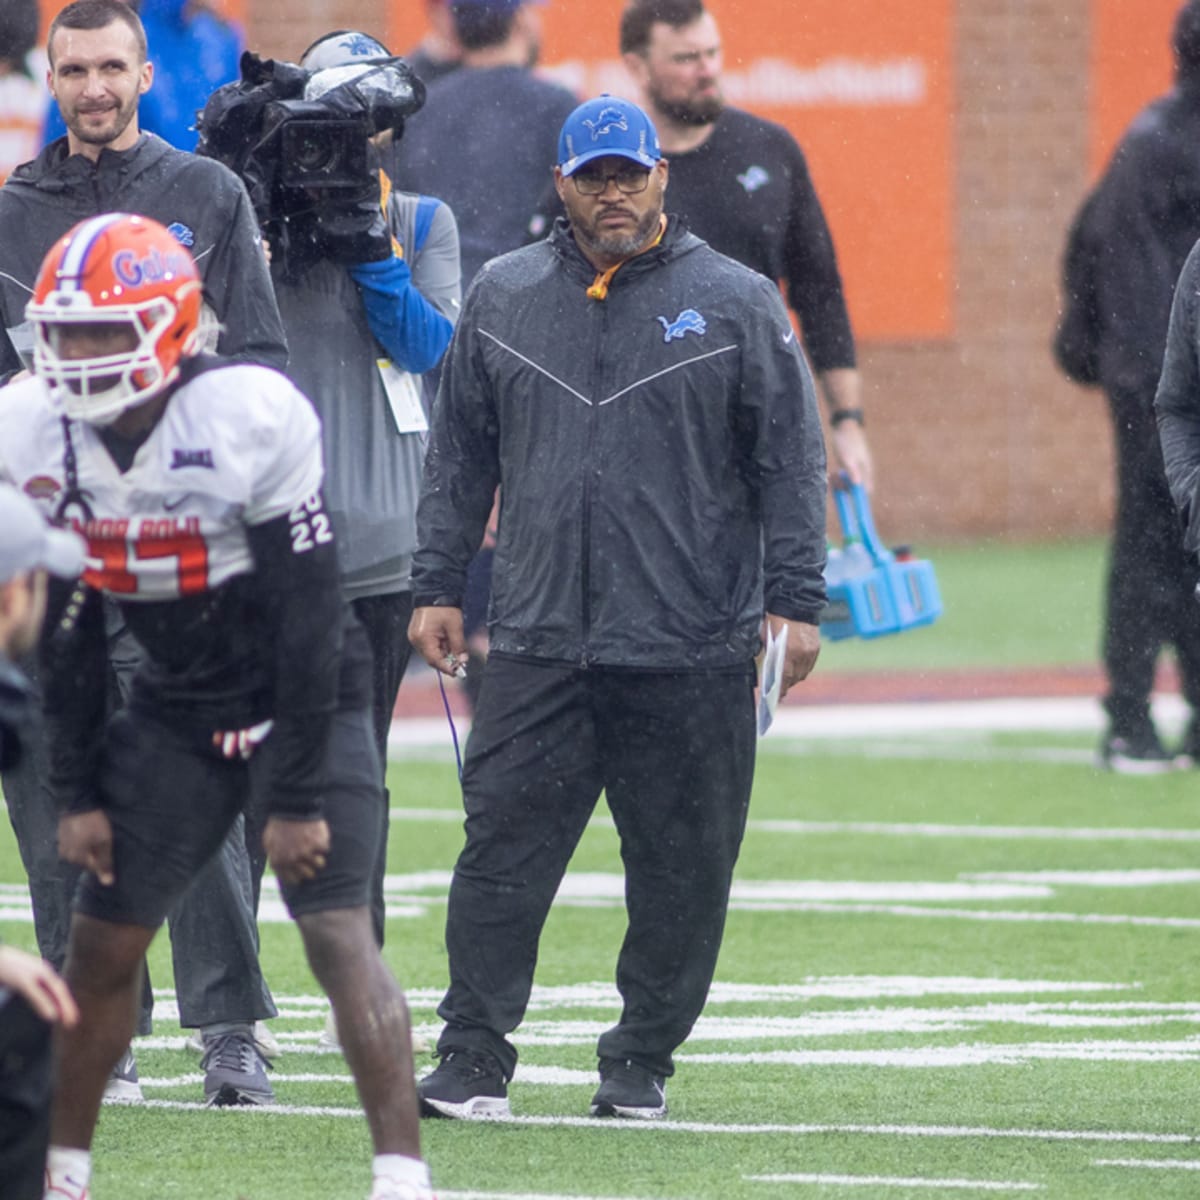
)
(73, 495)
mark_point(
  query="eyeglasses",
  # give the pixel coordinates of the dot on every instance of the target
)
(630, 180)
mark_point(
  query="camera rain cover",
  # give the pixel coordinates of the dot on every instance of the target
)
(384, 91)
(299, 141)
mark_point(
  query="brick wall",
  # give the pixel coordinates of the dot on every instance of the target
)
(981, 435)
(977, 436)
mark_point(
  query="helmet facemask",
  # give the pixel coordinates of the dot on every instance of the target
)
(91, 305)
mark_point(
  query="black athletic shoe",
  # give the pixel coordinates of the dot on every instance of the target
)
(629, 1090)
(234, 1072)
(1136, 752)
(466, 1085)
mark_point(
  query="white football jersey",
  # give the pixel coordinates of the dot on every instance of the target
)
(237, 445)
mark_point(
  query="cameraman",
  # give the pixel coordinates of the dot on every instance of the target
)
(360, 336)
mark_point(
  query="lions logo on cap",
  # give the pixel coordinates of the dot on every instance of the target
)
(608, 120)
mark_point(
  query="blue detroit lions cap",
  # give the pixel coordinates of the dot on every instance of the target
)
(343, 48)
(607, 125)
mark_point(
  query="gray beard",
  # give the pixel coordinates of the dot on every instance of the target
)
(617, 245)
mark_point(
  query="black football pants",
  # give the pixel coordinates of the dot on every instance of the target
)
(214, 935)
(674, 754)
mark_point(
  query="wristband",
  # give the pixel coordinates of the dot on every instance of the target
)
(847, 414)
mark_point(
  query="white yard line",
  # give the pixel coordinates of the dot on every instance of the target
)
(968, 1132)
(1020, 833)
(1150, 1164)
(445, 1195)
(1076, 714)
(915, 829)
(975, 1054)
(272, 913)
(892, 1181)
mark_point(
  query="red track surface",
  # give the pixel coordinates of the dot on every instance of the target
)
(419, 695)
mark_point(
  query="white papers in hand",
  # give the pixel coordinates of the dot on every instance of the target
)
(772, 678)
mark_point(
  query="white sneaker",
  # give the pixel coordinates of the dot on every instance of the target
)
(264, 1039)
(329, 1037)
(64, 1187)
(389, 1189)
(123, 1086)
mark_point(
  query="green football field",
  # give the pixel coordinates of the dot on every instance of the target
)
(957, 964)
(960, 961)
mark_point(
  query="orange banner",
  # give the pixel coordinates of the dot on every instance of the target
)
(1132, 62)
(867, 90)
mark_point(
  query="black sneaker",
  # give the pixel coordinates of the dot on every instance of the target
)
(1138, 752)
(629, 1090)
(466, 1085)
(234, 1072)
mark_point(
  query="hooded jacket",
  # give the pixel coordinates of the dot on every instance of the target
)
(200, 201)
(1127, 245)
(1177, 402)
(659, 456)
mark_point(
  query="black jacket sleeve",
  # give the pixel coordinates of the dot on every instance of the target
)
(1177, 403)
(462, 471)
(814, 282)
(784, 454)
(296, 573)
(238, 284)
(1077, 338)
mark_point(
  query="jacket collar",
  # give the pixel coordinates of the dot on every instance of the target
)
(675, 241)
(55, 167)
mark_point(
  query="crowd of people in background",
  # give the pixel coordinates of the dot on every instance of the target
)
(529, 400)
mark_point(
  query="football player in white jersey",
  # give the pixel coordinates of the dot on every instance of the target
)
(196, 482)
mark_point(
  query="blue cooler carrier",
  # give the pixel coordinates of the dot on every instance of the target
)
(871, 591)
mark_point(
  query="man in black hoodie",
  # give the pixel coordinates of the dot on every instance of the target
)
(644, 408)
(1126, 248)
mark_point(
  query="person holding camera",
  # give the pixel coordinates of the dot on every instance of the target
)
(362, 334)
(99, 73)
(367, 280)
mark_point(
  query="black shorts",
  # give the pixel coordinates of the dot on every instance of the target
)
(171, 799)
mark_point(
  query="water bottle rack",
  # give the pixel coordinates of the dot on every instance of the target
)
(872, 592)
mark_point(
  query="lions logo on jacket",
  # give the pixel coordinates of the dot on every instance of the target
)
(688, 321)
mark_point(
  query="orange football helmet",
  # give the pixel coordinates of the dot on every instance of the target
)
(114, 273)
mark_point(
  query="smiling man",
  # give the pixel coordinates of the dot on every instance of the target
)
(97, 77)
(643, 406)
(98, 74)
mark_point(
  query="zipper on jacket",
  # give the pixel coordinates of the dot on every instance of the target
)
(585, 556)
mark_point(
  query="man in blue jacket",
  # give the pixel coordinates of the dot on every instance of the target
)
(643, 406)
